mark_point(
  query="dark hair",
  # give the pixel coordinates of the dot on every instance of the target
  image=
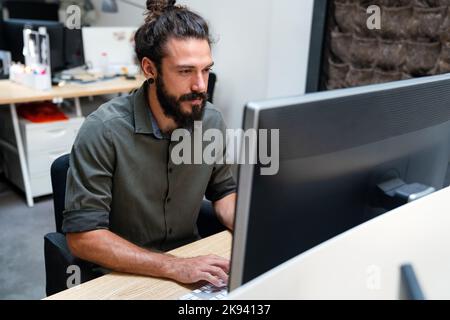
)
(163, 21)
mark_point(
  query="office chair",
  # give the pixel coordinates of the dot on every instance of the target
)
(211, 85)
(56, 251)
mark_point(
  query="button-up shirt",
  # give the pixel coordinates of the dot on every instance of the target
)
(122, 177)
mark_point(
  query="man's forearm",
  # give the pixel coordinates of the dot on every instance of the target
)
(225, 210)
(113, 252)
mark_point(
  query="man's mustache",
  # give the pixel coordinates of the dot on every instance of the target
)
(194, 96)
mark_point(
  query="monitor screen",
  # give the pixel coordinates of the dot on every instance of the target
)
(117, 43)
(13, 33)
(335, 149)
(73, 48)
(35, 10)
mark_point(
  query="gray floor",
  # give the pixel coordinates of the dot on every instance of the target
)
(22, 230)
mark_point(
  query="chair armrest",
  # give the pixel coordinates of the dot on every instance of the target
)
(57, 260)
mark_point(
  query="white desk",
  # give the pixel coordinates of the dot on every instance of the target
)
(364, 262)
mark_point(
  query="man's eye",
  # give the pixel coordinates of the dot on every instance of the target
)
(207, 70)
(185, 71)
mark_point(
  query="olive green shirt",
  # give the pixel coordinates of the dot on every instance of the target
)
(122, 178)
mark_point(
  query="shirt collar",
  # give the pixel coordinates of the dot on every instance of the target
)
(144, 122)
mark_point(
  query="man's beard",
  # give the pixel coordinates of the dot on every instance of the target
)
(172, 106)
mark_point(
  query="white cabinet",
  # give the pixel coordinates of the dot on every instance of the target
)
(50, 135)
(43, 143)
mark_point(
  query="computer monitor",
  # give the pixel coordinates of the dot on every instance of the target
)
(73, 48)
(335, 149)
(116, 42)
(36, 10)
(13, 33)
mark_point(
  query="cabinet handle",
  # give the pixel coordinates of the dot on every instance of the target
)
(57, 132)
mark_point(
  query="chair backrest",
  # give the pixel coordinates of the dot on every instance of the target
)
(58, 173)
(211, 85)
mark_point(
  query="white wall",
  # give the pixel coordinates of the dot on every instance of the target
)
(290, 30)
(261, 49)
(127, 16)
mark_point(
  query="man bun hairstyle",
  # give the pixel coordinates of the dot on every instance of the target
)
(164, 20)
(156, 7)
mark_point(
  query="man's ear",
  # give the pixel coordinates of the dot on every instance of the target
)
(149, 68)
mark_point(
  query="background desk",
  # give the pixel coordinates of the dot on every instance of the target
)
(364, 262)
(126, 286)
(12, 93)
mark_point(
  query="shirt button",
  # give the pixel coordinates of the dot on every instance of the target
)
(170, 170)
(170, 230)
(168, 200)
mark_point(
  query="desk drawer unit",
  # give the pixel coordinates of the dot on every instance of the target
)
(41, 161)
(43, 143)
(40, 182)
(51, 135)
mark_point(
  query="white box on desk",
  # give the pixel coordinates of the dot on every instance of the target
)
(41, 82)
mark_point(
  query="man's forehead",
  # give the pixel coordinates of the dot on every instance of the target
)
(188, 52)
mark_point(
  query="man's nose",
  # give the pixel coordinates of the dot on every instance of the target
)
(200, 84)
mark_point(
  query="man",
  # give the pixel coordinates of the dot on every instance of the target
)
(126, 201)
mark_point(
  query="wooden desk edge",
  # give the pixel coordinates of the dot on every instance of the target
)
(71, 90)
(117, 286)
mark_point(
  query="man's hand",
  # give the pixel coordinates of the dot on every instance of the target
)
(211, 268)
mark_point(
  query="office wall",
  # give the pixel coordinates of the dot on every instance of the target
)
(261, 49)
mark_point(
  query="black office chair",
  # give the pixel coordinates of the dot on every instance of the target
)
(56, 252)
(211, 85)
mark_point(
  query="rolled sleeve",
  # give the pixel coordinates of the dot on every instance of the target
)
(89, 179)
(221, 183)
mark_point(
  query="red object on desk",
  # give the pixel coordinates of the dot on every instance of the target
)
(41, 112)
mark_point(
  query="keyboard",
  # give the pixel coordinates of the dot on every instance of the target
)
(207, 292)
